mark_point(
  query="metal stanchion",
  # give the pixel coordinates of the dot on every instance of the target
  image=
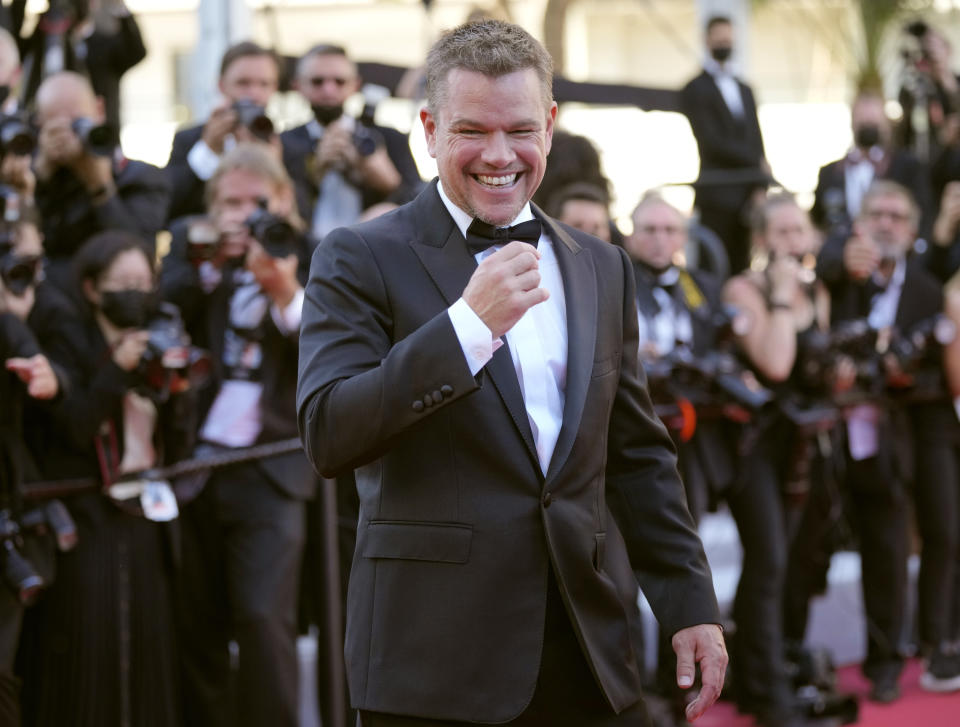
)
(332, 688)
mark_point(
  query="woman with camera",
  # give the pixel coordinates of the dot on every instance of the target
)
(784, 305)
(101, 643)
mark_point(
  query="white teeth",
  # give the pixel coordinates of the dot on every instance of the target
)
(497, 181)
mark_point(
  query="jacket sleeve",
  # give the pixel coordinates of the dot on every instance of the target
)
(646, 497)
(357, 385)
(140, 204)
(186, 188)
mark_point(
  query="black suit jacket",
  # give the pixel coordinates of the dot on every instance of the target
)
(724, 141)
(921, 298)
(187, 189)
(299, 147)
(829, 209)
(458, 524)
(69, 218)
(206, 319)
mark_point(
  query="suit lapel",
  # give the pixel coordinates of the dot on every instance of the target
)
(443, 253)
(580, 292)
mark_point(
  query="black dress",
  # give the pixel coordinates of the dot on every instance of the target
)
(99, 648)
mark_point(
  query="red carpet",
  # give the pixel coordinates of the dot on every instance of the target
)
(916, 708)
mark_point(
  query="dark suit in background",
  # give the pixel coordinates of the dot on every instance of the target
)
(69, 216)
(915, 445)
(299, 148)
(243, 536)
(730, 146)
(187, 189)
(830, 209)
(466, 551)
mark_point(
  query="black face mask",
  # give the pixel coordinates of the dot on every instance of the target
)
(327, 114)
(721, 53)
(128, 308)
(866, 136)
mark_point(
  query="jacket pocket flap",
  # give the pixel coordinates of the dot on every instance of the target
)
(439, 542)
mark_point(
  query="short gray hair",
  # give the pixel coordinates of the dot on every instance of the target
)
(490, 47)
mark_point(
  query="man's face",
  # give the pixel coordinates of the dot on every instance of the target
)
(586, 215)
(888, 221)
(327, 80)
(789, 231)
(720, 36)
(250, 78)
(659, 233)
(869, 112)
(238, 194)
(490, 139)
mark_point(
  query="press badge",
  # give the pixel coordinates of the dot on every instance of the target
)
(158, 501)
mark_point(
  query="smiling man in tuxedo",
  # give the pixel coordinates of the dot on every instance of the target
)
(488, 395)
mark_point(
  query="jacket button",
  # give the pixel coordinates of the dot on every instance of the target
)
(428, 400)
(437, 397)
(446, 390)
(418, 406)
(547, 499)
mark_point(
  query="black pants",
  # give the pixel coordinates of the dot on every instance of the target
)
(937, 496)
(730, 226)
(878, 504)
(757, 653)
(566, 694)
(11, 617)
(242, 546)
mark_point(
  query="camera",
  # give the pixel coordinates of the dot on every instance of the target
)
(18, 272)
(278, 237)
(17, 572)
(253, 116)
(16, 136)
(168, 359)
(97, 139)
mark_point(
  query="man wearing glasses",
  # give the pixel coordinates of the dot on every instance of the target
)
(341, 165)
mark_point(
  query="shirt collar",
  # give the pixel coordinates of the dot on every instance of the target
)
(711, 66)
(463, 220)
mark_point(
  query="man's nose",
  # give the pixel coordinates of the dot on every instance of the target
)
(497, 152)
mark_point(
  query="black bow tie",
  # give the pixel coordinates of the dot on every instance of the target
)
(481, 235)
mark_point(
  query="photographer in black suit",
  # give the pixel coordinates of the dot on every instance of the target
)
(84, 184)
(341, 165)
(842, 184)
(249, 76)
(243, 536)
(723, 116)
(890, 447)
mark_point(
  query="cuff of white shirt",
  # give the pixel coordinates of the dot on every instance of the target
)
(475, 338)
(203, 160)
(287, 319)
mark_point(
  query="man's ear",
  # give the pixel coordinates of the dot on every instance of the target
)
(100, 109)
(90, 291)
(429, 130)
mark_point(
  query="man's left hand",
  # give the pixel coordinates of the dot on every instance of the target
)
(702, 644)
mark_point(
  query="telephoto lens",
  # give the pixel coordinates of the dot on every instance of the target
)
(98, 139)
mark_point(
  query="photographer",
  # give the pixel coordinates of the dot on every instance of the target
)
(842, 184)
(84, 183)
(341, 165)
(243, 535)
(249, 76)
(26, 373)
(111, 601)
(783, 306)
(929, 92)
(888, 447)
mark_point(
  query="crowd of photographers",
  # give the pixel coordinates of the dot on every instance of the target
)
(155, 505)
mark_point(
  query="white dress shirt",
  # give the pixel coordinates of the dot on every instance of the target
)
(670, 325)
(727, 83)
(537, 343)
